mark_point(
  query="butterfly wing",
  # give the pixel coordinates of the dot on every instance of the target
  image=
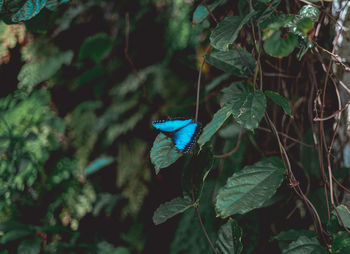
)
(171, 125)
(186, 136)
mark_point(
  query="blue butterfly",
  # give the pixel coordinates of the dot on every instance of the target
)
(184, 131)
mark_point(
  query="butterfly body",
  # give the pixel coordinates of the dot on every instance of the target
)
(183, 131)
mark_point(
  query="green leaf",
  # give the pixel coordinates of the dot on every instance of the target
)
(15, 235)
(232, 62)
(38, 70)
(229, 238)
(341, 243)
(106, 201)
(188, 237)
(163, 152)
(96, 47)
(309, 11)
(275, 23)
(280, 46)
(28, 10)
(214, 125)
(248, 107)
(286, 237)
(169, 209)
(201, 12)
(107, 248)
(344, 214)
(216, 81)
(275, 199)
(279, 100)
(97, 164)
(30, 246)
(305, 24)
(226, 32)
(250, 188)
(304, 245)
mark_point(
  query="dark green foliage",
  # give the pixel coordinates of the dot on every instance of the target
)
(82, 170)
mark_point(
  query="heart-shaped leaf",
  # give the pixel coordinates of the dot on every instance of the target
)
(279, 45)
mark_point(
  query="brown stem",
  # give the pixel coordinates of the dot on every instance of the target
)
(234, 149)
(199, 81)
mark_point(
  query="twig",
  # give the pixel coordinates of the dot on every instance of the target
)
(234, 149)
(322, 134)
(200, 218)
(340, 185)
(243, 59)
(317, 119)
(210, 12)
(286, 136)
(336, 57)
(344, 86)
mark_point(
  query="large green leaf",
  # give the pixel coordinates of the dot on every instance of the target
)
(250, 188)
(279, 45)
(237, 63)
(304, 245)
(229, 238)
(169, 209)
(226, 32)
(248, 106)
(279, 100)
(30, 246)
(163, 152)
(344, 214)
(214, 125)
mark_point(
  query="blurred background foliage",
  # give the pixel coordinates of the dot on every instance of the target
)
(81, 83)
(75, 120)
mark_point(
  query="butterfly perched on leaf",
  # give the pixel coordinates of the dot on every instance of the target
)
(184, 132)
